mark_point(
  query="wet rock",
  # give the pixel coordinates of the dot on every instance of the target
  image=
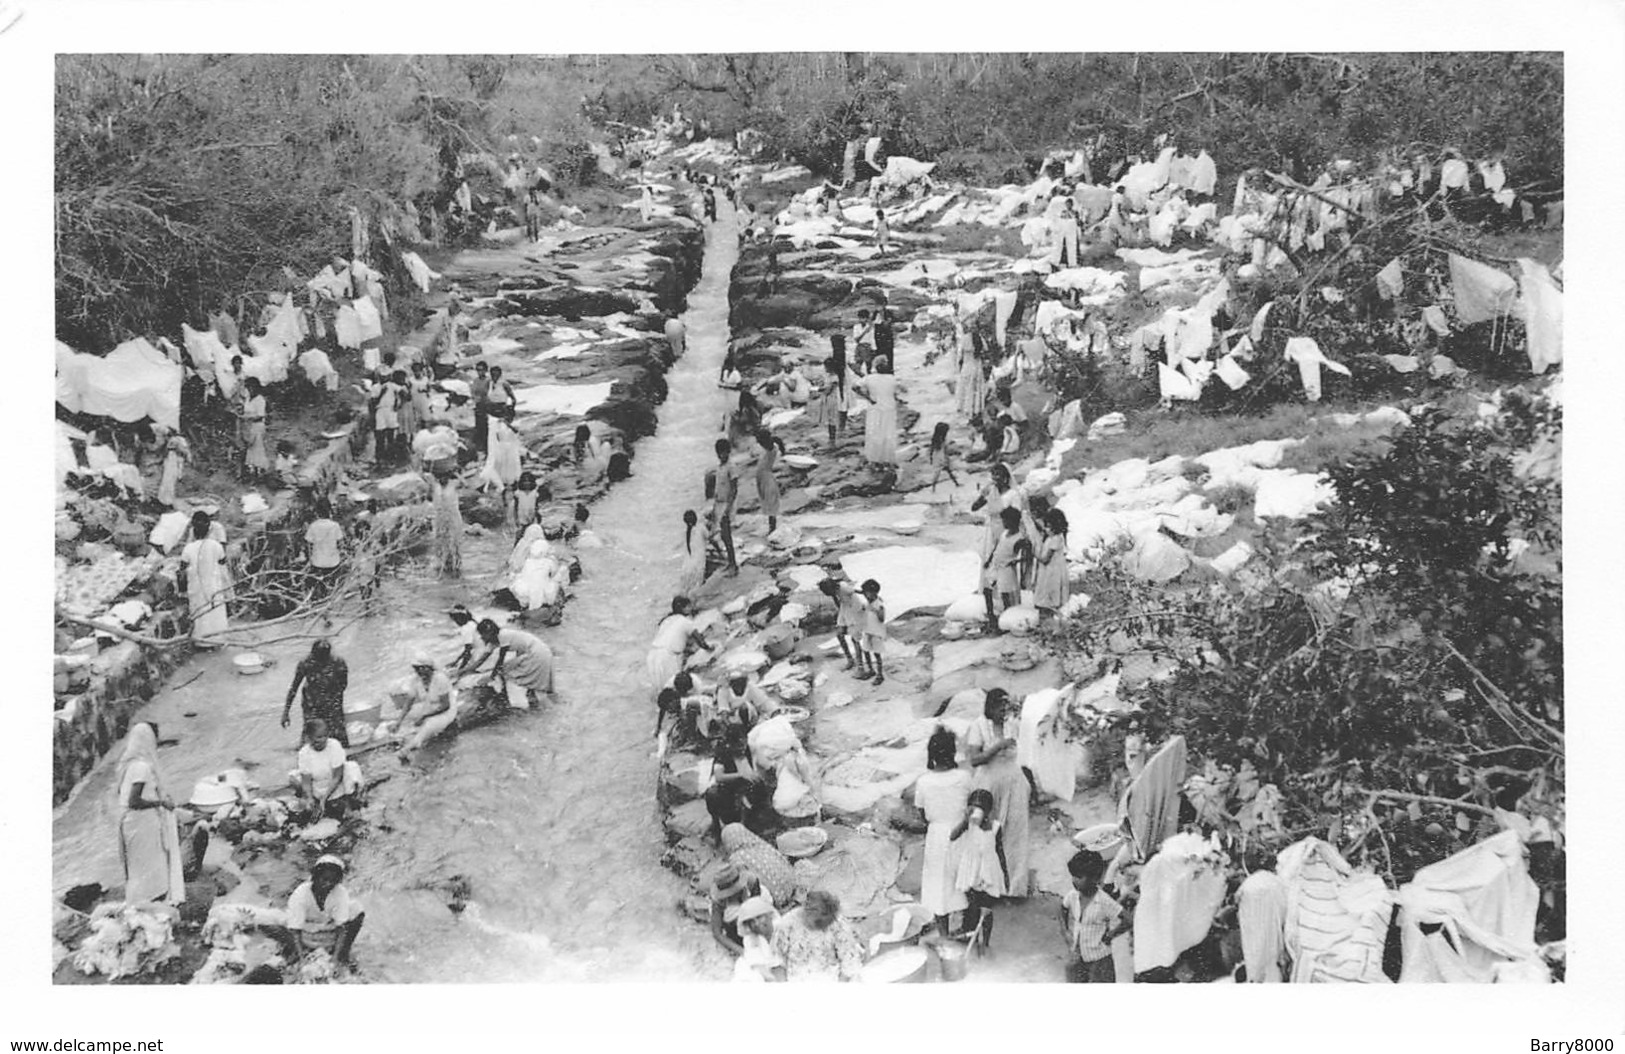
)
(688, 820)
(569, 303)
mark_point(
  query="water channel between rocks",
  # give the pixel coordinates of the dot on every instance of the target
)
(547, 820)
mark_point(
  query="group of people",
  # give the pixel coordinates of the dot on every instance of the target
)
(320, 913)
(1023, 548)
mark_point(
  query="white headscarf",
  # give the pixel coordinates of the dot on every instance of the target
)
(140, 745)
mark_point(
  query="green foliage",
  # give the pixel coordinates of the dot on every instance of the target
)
(981, 114)
(1394, 666)
(183, 179)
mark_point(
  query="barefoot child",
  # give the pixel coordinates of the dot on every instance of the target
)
(981, 872)
(848, 620)
(940, 456)
(1092, 919)
(874, 629)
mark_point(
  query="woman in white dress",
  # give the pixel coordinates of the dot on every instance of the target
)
(941, 793)
(207, 584)
(880, 427)
(970, 389)
(695, 532)
(255, 458)
(502, 455)
(177, 452)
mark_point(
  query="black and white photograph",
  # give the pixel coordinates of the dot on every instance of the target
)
(947, 516)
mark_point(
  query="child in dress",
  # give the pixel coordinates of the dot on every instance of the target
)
(522, 502)
(874, 631)
(981, 872)
(849, 620)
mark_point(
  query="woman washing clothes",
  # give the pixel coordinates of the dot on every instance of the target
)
(676, 633)
(738, 793)
(990, 746)
(430, 706)
(523, 660)
(329, 783)
(322, 914)
(942, 792)
(148, 835)
(751, 854)
(816, 944)
(757, 922)
(731, 887)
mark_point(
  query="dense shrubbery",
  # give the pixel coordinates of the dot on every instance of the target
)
(1394, 664)
(981, 115)
(184, 179)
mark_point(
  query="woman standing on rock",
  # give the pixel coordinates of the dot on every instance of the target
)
(448, 527)
(830, 406)
(990, 744)
(970, 391)
(1002, 564)
(941, 793)
(767, 485)
(1052, 588)
(255, 459)
(880, 426)
(503, 449)
(207, 583)
(177, 452)
(148, 837)
(695, 535)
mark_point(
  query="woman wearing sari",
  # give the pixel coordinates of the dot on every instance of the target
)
(148, 837)
(207, 583)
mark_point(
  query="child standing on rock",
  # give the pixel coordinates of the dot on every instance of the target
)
(874, 630)
(940, 456)
(849, 620)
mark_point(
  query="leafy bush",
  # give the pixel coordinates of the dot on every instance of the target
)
(1395, 664)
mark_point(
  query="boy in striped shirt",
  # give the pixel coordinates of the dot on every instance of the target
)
(1092, 919)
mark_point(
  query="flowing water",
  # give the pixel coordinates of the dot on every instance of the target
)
(547, 820)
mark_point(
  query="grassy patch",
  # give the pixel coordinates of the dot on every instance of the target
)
(1154, 434)
(973, 237)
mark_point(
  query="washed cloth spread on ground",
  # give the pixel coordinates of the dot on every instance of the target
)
(1181, 889)
(1483, 902)
(132, 381)
(1336, 917)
